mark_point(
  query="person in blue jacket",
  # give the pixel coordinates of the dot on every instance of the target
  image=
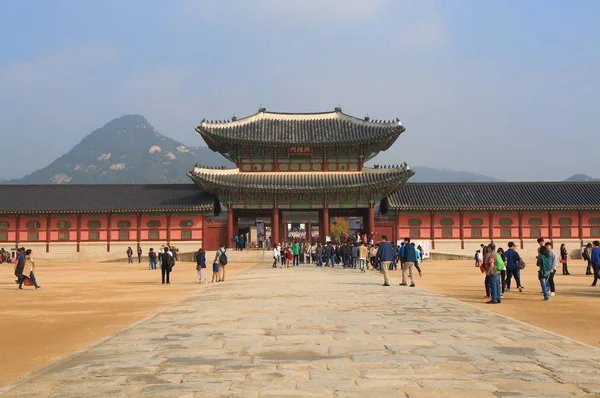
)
(385, 255)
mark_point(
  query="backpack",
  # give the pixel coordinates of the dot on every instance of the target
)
(499, 262)
(153, 255)
(585, 255)
(223, 258)
(171, 261)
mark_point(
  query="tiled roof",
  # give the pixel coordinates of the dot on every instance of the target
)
(210, 179)
(497, 196)
(299, 128)
(102, 198)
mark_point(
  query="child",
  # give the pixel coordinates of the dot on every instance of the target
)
(215, 277)
(478, 259)
(290, 257)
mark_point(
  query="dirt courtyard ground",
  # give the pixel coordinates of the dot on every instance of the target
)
(81, 303)
(572, 312)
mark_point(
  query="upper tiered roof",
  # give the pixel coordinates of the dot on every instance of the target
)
(286, 129)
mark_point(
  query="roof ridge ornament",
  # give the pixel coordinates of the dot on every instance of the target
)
(338, 109)
(262, 109)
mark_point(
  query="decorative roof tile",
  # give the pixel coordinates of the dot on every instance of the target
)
(210, 179)
(299, 128)
(497, 196)
(103, 198)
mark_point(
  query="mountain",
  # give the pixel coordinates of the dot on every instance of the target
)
(581, 178)
(127, 150)
(428, 174)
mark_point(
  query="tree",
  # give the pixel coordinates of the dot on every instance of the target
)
(339, 228)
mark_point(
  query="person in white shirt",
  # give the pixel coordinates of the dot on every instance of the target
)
(276, 254)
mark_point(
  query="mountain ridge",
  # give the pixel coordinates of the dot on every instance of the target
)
(129, 150)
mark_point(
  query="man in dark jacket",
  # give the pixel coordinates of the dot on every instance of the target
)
(408, 262)
(20, 267)
(385, 255)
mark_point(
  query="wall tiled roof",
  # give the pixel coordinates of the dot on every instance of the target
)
(101, 198)
(298, 181)
(292, 129)
(497, 196)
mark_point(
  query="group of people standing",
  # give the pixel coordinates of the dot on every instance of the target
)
(25, 269)
(383, 256)
(219, 264)
(501, 266)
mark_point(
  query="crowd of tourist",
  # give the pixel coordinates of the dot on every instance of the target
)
(358, 252)
(500, 267)
(25, 269)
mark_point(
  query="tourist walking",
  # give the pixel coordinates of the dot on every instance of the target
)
(222, 258)
(553, 267)
(30, 268)
(129, 253)
(167, 261)
(478, 258)
(493, 274)
(513, 263)
(586, 254)
(408, 262)
(543, 263)
(419, 256)
(319, 255)
(595, 260)
(139, 254)
(201, 265)
(152, 259)
(484, 269)
(385, 255)
(564, 256)
(363, 253)
(20, 267)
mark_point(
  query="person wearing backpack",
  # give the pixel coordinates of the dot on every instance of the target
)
(513, 259)
(168, 262)
(221, 257)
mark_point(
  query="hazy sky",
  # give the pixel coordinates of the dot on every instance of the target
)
(506, 88)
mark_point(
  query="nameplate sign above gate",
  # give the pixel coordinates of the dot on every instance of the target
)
(300, 150)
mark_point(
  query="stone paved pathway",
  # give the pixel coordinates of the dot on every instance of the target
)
(323, 333)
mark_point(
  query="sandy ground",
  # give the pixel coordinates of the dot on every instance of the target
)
(79, 304)
(572, 312)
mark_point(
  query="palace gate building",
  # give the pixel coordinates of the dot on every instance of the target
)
(293, 175)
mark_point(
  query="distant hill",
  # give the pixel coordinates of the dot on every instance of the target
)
(428, 174)
(127, 150)
(581, 178)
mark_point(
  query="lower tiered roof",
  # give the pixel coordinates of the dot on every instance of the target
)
(103, 198)
(497, 196)
(214, 180)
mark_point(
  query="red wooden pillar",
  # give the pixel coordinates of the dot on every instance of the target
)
(17, 230)
(550, 232)
(139, 228)
(520, 229)
(431, 228)
(169, 229)
(48, 221)
(491, 225)
(229, 225)
(308, 231)
(398, 236)
(580, 225)
(275, 226)
(78, 232)
(372, 219)
(461, 225)
(108, 231)
(325, 221)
